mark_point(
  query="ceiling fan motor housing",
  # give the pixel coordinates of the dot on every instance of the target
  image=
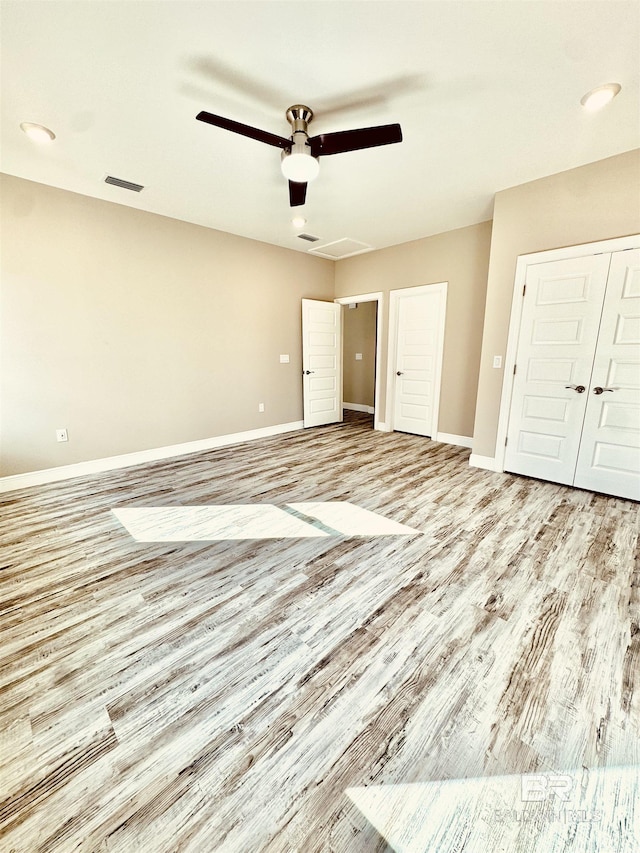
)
(299, 117)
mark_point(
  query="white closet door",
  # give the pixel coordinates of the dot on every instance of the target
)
(419, 335)
(558, 333)
(609, 457)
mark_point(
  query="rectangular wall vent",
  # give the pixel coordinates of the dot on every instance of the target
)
(126, 185)
(308, 237)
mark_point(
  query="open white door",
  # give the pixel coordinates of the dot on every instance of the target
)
(321, 362)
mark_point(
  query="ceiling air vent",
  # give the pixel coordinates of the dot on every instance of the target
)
(308, 237)
(344, 248)
(126, 185)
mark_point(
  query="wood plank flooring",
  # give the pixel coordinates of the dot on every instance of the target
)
(472, 687)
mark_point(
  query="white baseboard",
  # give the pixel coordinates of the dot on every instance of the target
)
(358, 407)
(110, 463)
(383, 427)
(450, 438)
(486, 462)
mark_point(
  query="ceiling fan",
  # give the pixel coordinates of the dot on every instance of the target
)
(300, 153)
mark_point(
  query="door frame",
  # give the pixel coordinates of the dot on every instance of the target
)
(616, 244)
(394, 297)
(370, 297)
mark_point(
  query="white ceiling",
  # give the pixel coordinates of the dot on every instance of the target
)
(487, 94)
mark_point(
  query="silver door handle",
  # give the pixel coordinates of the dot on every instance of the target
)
(399, 373)
(600, 390)
(307, 372)
(580, 389)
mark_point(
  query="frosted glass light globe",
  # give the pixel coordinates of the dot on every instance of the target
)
(300, 168)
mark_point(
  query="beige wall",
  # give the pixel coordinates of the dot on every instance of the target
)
(594, 202)
(135, 331)
(359, 336)
(458, 257)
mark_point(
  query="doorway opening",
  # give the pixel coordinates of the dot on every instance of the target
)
(361, 354)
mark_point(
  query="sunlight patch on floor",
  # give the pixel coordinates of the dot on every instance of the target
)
(351, 520)
(527, 813)
(254, 521)
(211, 523)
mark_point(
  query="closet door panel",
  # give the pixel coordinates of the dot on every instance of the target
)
(609, 455)
(556, 346)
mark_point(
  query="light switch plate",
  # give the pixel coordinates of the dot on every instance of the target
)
(358, 356)
(284, 358)
(497, 361)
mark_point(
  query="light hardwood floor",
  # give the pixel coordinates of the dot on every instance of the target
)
(472, 686)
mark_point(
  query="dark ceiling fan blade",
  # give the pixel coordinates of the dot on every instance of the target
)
(244, 130)
(355, 140)
(297, 193)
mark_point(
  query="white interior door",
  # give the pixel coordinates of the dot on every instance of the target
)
(321, 362)
(609, 456)
(418, 316)
(558, 333)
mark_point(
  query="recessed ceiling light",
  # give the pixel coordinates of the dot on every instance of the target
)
(597, 98)
(298, 221)
(37, 132)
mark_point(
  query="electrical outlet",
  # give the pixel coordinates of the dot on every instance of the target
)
(61, 435)
(261, 407)
(358, 356)
(284, 358)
